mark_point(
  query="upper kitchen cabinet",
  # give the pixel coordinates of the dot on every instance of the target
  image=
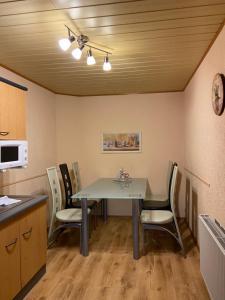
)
(12, 110)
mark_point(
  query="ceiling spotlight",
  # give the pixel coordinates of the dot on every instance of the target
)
(66, 42)
(107, 66)
(77, 52)
(90, 58)
(82, 41)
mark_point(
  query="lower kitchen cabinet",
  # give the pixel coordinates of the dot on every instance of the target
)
(23, 244)
(10, 283)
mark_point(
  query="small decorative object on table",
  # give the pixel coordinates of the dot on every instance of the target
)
(123, 176)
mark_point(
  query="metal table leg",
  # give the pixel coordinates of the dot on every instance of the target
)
(135, 223)
(85, 227)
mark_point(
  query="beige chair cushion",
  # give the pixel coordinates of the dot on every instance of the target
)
(70, 215)
(156, 216)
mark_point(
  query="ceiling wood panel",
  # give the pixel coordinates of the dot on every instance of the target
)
(156, 44)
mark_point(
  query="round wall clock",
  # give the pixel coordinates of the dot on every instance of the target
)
(218, 93)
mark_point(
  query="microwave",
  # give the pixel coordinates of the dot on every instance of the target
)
(13, 154)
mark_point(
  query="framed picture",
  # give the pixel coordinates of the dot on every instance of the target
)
(121, 142)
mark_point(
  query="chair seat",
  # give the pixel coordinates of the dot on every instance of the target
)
(156, 216)
(90, 203)
(70, 215)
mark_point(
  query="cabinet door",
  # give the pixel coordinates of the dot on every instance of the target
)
(10, 283)
(12, 112)
(33, 237)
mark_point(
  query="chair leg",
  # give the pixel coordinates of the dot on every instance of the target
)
(90, 224)
(179, 236)
(96, 216)
(143, 240)
(102, 208)
(81, 241)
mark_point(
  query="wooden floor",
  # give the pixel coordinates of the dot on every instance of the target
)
(110, 272)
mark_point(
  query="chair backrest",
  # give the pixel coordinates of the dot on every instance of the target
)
(169, 176)
(56, 195)
(67, 184)
(76, 174)
(173, 185)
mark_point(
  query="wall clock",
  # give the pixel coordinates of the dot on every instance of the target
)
(218, 94)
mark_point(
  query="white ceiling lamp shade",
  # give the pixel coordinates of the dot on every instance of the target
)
(65, 43)
(107, 65)
(90, 58)
(77, 52)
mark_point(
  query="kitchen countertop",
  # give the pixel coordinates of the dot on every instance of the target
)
(27, 202)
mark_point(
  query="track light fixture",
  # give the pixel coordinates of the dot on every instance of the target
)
(82, 41)
(90, 58)
(77, 52)
(66, 42)
(107, 65)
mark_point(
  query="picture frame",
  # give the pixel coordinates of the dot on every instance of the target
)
(121, 142)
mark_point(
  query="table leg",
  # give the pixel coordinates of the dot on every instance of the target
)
(105, 210)
(135, 223)
(85, 227)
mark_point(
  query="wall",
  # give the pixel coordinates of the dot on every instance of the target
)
(159, 117)
(79, 123)
(205, 139)
(41, 141)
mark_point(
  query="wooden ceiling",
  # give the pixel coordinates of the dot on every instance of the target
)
(156, 44)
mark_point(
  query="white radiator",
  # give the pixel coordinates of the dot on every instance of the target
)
(212, 256)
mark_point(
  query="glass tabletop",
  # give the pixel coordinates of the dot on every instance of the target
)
(110, 188)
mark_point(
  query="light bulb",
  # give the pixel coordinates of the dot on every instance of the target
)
(90, 58)
(107, 66)
(66, 42)
(77, 53)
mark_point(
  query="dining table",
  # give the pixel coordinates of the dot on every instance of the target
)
(133, 189)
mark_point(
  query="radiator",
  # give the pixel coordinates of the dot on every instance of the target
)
(212, 256)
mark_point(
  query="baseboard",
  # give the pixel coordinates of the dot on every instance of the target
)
(25, 290)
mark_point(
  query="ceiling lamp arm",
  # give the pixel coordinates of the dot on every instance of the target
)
(96, 48)
(70, 31)
(82, 41)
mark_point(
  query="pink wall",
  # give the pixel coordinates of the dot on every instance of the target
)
(205, 138)
(159, 117)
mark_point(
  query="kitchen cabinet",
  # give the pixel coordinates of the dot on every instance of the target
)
(12, 110)
(33, 241)
(10, 283)
(23, 245)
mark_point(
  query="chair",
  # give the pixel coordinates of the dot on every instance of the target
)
(154, 201)
(68, 189)
(71, 203)
(67, 218)
(76, 177)
(77, 183)
(161, 219)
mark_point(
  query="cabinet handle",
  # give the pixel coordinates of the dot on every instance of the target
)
(27, 234)
(4, 133)
(10, 244)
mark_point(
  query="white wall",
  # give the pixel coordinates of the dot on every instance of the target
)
(81, 121)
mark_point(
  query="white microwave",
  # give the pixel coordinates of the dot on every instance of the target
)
(13, 154)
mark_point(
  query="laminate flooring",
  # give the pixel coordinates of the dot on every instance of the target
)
(111, 273)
